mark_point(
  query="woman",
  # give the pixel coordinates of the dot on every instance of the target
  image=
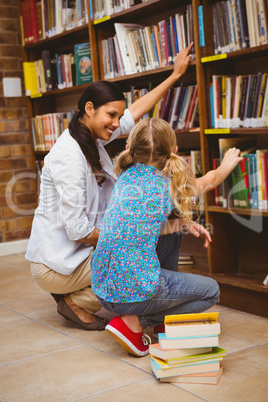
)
(76, 184)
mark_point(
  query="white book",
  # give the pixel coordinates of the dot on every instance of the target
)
(174, 117)
(250, 20)
(232, 44)
(119, 55)
(179, 34)
(122, 30)
(256, 22)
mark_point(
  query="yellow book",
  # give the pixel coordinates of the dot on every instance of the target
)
(201, 324)
(223, 86)
(30, 79)
(263, 85)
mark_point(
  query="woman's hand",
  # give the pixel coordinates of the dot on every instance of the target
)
(198, 230)
(182, 60)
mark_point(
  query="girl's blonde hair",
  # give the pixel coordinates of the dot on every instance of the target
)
(153, 141)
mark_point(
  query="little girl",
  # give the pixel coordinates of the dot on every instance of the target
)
(126, 273)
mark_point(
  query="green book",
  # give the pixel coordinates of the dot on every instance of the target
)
(83, 63)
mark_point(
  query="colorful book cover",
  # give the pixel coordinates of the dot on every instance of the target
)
(83, 63)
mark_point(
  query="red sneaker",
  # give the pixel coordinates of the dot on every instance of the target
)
(158, 329)
(134, 343)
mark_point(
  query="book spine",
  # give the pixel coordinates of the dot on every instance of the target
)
(201, 26)
(264, 156)
(259, 179)
(244, 200)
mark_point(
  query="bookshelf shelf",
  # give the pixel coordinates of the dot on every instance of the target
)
(238, 211)
(64, 91)
(63, 39)
(139, 11)
(249, 53)
(237, 131)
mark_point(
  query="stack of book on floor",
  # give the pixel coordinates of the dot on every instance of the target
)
(188, 351)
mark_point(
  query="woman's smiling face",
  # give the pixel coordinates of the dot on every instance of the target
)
(102, 122)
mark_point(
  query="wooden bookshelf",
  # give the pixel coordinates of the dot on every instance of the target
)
(238, 255)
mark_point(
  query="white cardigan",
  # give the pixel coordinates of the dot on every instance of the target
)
(71, 203)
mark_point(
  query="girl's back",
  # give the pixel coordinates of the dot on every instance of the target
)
(125, 263)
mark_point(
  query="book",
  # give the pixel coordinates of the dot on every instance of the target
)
(187, 342)
(215, 354)
(167, 354)
(192, 324)
(243, 143)
(182, 370)
(83, 63)
(122, 31)
(185, 259)
(30, 79)
(165, 366)
(209, 378)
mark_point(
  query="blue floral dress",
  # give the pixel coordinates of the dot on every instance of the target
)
(125, 267)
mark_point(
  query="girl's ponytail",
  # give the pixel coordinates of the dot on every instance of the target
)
(123, 161)
(182, 184)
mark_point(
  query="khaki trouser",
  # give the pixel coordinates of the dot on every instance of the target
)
(77, 285)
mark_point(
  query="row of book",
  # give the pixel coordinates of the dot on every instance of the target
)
(105, 8)
(45, 18)
(58, 71)
(136, 48)
(247, 185)
(239, 24)
(239, 101)
(47, 128)
(179, 107)
(188, 351)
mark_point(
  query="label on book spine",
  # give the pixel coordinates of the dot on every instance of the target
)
(100, 20)
(213, 58)
(217, 131)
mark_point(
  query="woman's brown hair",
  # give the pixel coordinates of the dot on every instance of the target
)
(99, 93)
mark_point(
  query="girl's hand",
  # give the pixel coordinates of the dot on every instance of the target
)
(199, 231)
(231, 159)
(182, 60)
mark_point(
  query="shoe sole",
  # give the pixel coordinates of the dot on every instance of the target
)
(125, 342)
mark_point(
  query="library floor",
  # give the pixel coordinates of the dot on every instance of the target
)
(44, 357)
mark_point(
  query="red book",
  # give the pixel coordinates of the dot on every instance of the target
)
(191, 107)
(163, 40)
(264, 162)
(30, 21)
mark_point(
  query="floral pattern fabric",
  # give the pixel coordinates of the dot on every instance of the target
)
(125, 267)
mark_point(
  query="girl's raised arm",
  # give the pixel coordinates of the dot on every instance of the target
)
(147, 102)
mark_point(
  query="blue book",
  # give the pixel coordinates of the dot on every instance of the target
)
(160, 372)
(182, 108)
(201, 26)
(155, 50)
(212, 106)
(176, 38)
(83, 63)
